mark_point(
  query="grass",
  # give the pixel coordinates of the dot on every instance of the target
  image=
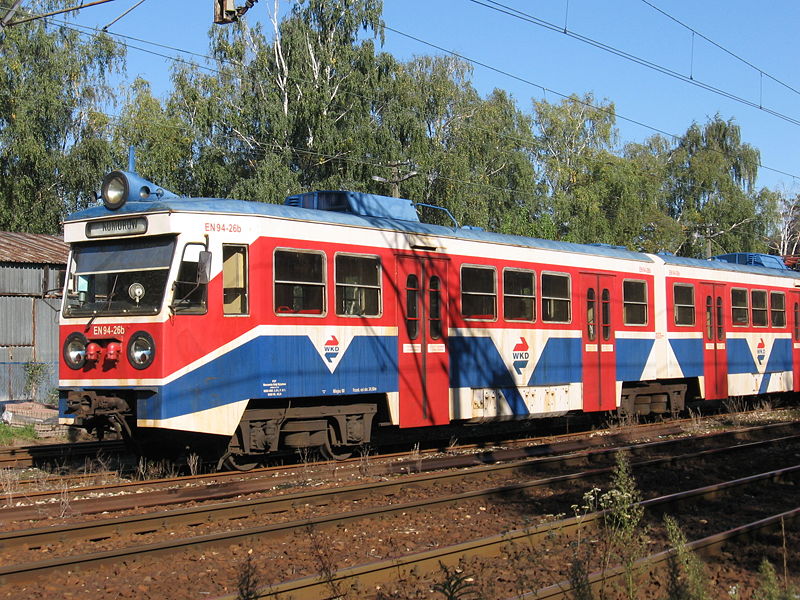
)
(10, 433)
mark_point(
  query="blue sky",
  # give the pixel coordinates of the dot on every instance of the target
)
(765, 35)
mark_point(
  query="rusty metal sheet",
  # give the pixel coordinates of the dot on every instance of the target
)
(16, 321)
(32, 248)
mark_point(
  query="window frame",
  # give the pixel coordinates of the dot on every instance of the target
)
(646, 304)
(245, 287)
(532, 297)
(336, 285)
(773, 312)
(746, 307)
(764, 310)
(675, 305)
(493, 294)
(323, 285)
(568, 299)
(201, 309)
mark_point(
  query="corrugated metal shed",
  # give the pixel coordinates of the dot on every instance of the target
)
(16, 321)
(32, 248)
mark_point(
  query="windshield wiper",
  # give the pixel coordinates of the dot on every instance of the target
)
(108, 304)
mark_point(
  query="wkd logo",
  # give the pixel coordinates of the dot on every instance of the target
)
(761, 351)
(521, 356)
(331, 349)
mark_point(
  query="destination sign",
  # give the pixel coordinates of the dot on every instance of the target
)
(111, 227)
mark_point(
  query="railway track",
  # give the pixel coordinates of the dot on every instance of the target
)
(78, 535)
(221, 486)
(51, 455)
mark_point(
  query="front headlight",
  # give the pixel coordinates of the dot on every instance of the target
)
(114, 190)
(74, 350)
(141, 350)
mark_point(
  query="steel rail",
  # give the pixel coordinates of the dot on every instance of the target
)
(250, 485)
(98, 530)
(318, 587)
(707, 547)
(28, 456)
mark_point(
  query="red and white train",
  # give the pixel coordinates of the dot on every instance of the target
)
(262, 327)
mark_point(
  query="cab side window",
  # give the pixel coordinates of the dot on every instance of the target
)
(189, 294)
(234, 280)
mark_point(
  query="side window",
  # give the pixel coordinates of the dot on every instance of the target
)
(797, 322)
(519, 295)
(299, 282)
(739, 313)
(234, 280)
(634, 302)
(683, 302)
(358, 285)
(478, 293)
(777, 309)
(556, 298)
(758, 302)
(189, 294)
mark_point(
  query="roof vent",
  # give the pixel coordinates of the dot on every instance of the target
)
(753, 258)
(357, 203)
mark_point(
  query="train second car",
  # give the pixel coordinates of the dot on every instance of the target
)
(253, 328)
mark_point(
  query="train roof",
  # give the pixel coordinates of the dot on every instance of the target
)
(250, 208)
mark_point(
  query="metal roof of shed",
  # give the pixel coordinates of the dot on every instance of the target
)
(33, 248)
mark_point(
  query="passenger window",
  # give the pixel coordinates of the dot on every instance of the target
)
(412, 306)
(797, 322)
(556, 298)
(758, 302)
(777, 309)
(478, 293)
(435, 308)
(634, 302)
(190, 295)
(299, 282)
(358, 285)
(683, 304)
(739, 312)
(519, 296)
(234, 280)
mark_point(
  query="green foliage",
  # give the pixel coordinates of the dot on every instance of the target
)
(455, 585)
(35, 372)
(9, 433)
(687, 576)
(309, 101)
(53, 139)
(769, 588)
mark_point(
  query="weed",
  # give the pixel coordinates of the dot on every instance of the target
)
(247, 582)
(193, 462)
(323, 556)
(364, 452)
(9, 433)
(456, 584)
(155, 469)
(769, 588)
(687, 576)
(579, 580)
(9, 483)
(452, 446)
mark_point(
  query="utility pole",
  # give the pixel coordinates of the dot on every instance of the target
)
(225, 11)
(396, 178)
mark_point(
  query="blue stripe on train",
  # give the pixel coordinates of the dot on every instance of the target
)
(689, 353)
(277, 366)
(632, 355)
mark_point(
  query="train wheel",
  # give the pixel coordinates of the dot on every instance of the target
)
(239, 463)
(327, 448)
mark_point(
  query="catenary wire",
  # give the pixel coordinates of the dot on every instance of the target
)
(94, 31)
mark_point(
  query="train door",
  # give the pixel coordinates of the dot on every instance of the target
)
(599, 343)
(715, 356)
(794, 300)
(424, 381)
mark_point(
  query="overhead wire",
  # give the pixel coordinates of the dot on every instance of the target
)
(523, 16)
(721, 47)
(94, 31)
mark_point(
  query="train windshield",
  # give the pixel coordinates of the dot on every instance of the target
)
(119, 277)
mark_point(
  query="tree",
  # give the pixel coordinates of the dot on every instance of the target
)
(53, 138)
(709, 185)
